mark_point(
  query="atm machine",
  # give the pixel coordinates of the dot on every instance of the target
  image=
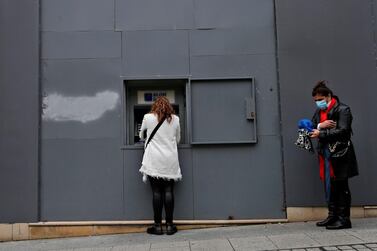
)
(140, 96)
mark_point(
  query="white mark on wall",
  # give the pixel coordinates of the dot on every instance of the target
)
(57, 107)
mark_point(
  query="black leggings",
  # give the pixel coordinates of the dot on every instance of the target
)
(163, 195)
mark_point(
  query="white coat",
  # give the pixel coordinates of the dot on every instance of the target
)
(160, 158)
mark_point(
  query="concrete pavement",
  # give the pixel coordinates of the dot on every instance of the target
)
(297, 236)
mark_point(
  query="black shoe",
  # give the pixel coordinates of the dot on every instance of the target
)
(340, 223)
(171, 229)
(328, 221)
(155, 229)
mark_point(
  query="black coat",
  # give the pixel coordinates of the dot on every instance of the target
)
(345, 166)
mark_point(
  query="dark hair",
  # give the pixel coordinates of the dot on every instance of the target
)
(321, 89)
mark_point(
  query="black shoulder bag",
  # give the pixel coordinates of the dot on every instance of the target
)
(154, 131)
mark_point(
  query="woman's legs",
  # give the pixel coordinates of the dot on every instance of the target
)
(169, 206)
(163, 195)
(157, 193)
(169, 200)
(157, 206)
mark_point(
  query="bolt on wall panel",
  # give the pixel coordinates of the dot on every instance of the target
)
(77, 15)
(154, 15)
(155, 53)
(96, 44)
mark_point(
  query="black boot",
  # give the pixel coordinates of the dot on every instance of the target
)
(343, 207)
(171, 229)
(343, 220)
(340, 223)
(331, 218)
(155, 229)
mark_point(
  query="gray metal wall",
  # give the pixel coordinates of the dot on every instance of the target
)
(333, 40)
(19, 102)
(81, 165)
(90, 46)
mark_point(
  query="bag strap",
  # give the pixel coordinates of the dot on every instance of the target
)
(154, 131)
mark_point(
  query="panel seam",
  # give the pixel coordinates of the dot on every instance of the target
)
(40, 103)
(284, 206)
(374, 27)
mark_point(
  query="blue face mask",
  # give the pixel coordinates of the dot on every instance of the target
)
(321, 104)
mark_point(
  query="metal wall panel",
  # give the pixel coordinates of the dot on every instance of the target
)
(351, 68)
(72, 76)
(253, 40)
(81, 134)
(330, 43)
(238, 182)
(218, 109)
(236, 13)
(77, 15)
(372, 149)
(94, 44)
(138, 195)
(82, 179)
(155, 53)
(154, 15)
(82, 98)
(19, 110)
(107, 125)
(297, 162)
(263, 70)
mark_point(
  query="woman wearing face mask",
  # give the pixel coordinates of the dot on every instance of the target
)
(333, 120)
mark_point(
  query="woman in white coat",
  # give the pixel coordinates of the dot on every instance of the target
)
(160, 161)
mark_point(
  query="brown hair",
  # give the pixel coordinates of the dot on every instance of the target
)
(162, 108)
(321, 89)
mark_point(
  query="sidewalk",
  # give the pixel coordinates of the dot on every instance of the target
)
(298, 236)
